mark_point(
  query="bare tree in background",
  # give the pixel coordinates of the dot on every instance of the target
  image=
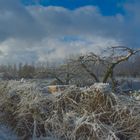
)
(63, 73)
(86, 69)
(109, 59)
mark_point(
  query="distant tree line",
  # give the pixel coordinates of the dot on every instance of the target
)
(79, 70)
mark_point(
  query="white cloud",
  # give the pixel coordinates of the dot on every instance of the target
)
(49, 49)
(82, 21)
(37, 33)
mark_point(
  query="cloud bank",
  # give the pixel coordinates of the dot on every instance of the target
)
(41, 34)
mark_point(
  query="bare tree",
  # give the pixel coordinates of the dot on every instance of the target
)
(109, 59)
(89, 68)
(63, 73)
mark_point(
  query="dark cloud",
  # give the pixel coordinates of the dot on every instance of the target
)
(16, 22)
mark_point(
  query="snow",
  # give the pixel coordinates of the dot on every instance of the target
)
(129, 83)
(6, 133)
(101, 87)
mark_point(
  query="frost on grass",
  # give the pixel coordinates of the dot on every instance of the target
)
(94, 113)
(101, 87)
(136, 95)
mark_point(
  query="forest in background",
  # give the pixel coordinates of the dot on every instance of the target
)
(67, 69)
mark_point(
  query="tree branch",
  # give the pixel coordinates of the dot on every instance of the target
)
(118, 60)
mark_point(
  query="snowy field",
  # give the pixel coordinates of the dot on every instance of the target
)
(129, 83)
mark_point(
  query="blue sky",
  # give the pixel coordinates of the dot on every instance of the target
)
(49, 30)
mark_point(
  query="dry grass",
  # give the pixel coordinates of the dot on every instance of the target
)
(74, 115)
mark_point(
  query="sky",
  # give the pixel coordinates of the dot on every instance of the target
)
(51, 30)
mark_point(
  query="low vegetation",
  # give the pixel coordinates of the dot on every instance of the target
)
(76, 114)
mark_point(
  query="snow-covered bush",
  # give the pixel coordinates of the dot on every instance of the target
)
(136, 95)
(93, 113)
(101, 87)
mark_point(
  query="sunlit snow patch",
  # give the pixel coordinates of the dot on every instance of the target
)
(101, 87)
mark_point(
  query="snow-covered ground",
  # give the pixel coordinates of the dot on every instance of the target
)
(6, 133)
(130, 83)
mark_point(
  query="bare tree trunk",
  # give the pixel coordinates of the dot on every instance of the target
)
(91, 73)
(59, 80)
(108, 73)
(110, 70)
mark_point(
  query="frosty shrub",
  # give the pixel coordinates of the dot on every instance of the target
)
(93, 113)
(136, 95)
